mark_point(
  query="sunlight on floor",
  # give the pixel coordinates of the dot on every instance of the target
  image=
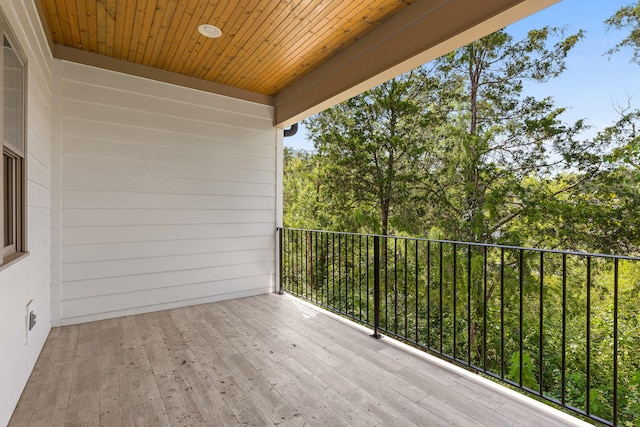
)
(306, 311)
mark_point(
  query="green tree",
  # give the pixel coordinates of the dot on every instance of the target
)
(302, 205)
(627, 130)
(370, 145)
(496, 142)
(627, 18)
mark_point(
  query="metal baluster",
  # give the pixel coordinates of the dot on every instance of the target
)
(416, 293)
(346, 275)
(428, 294)
(485, 250)
(308, 260)
(339, 308)
(441, 303)
(615, 342)
(406, 309)
(360, 277)
(564, 329)
(502, 313)
(588, 394)
(469, 255)
(333, 271)
(455, 297)
(353, 275)
(395, 286)
(315, 264)
(368, 280)
(520, 339)
(386, 283)
(541, 337)
(280, 259)
(376, 287)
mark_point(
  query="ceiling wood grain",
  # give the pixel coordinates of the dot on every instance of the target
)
(265, 46)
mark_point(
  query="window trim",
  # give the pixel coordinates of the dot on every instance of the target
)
(17, 202)
(11, 253)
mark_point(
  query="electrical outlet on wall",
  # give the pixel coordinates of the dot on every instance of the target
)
(30, 321)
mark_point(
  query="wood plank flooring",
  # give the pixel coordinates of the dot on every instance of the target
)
(259, 361)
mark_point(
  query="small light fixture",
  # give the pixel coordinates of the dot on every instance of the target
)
(210, 31)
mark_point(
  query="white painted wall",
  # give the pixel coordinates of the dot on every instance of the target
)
(141, 196)
(168, 196)
(29, 279)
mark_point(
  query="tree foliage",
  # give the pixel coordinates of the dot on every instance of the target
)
(627, 18)
(499, 138)
(370, 147)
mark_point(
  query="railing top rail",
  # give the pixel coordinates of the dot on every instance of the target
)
(489, 245)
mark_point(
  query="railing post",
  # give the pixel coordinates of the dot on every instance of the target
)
(376, 287)
(280, 231)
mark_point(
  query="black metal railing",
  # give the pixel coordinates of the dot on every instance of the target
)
(561, 325)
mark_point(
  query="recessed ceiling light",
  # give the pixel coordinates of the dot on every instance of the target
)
(210, 31)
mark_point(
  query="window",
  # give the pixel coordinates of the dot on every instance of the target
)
(12, 168)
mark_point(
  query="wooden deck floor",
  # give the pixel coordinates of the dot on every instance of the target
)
(259, 361)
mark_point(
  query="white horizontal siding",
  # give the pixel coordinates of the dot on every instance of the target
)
(141, 200)
(104, 78)
(168, 196)
(135, 266)
(166, 169)
(124, 285)
(29, 279)
(161, 298)
(244, 141)
(153, 120)
(131, 250)
(156, 233)
(88, 217)
(159, 153)
(83, 181)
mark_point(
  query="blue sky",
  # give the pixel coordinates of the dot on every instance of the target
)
(593, 82)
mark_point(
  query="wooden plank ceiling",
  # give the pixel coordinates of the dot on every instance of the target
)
(266, 45)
